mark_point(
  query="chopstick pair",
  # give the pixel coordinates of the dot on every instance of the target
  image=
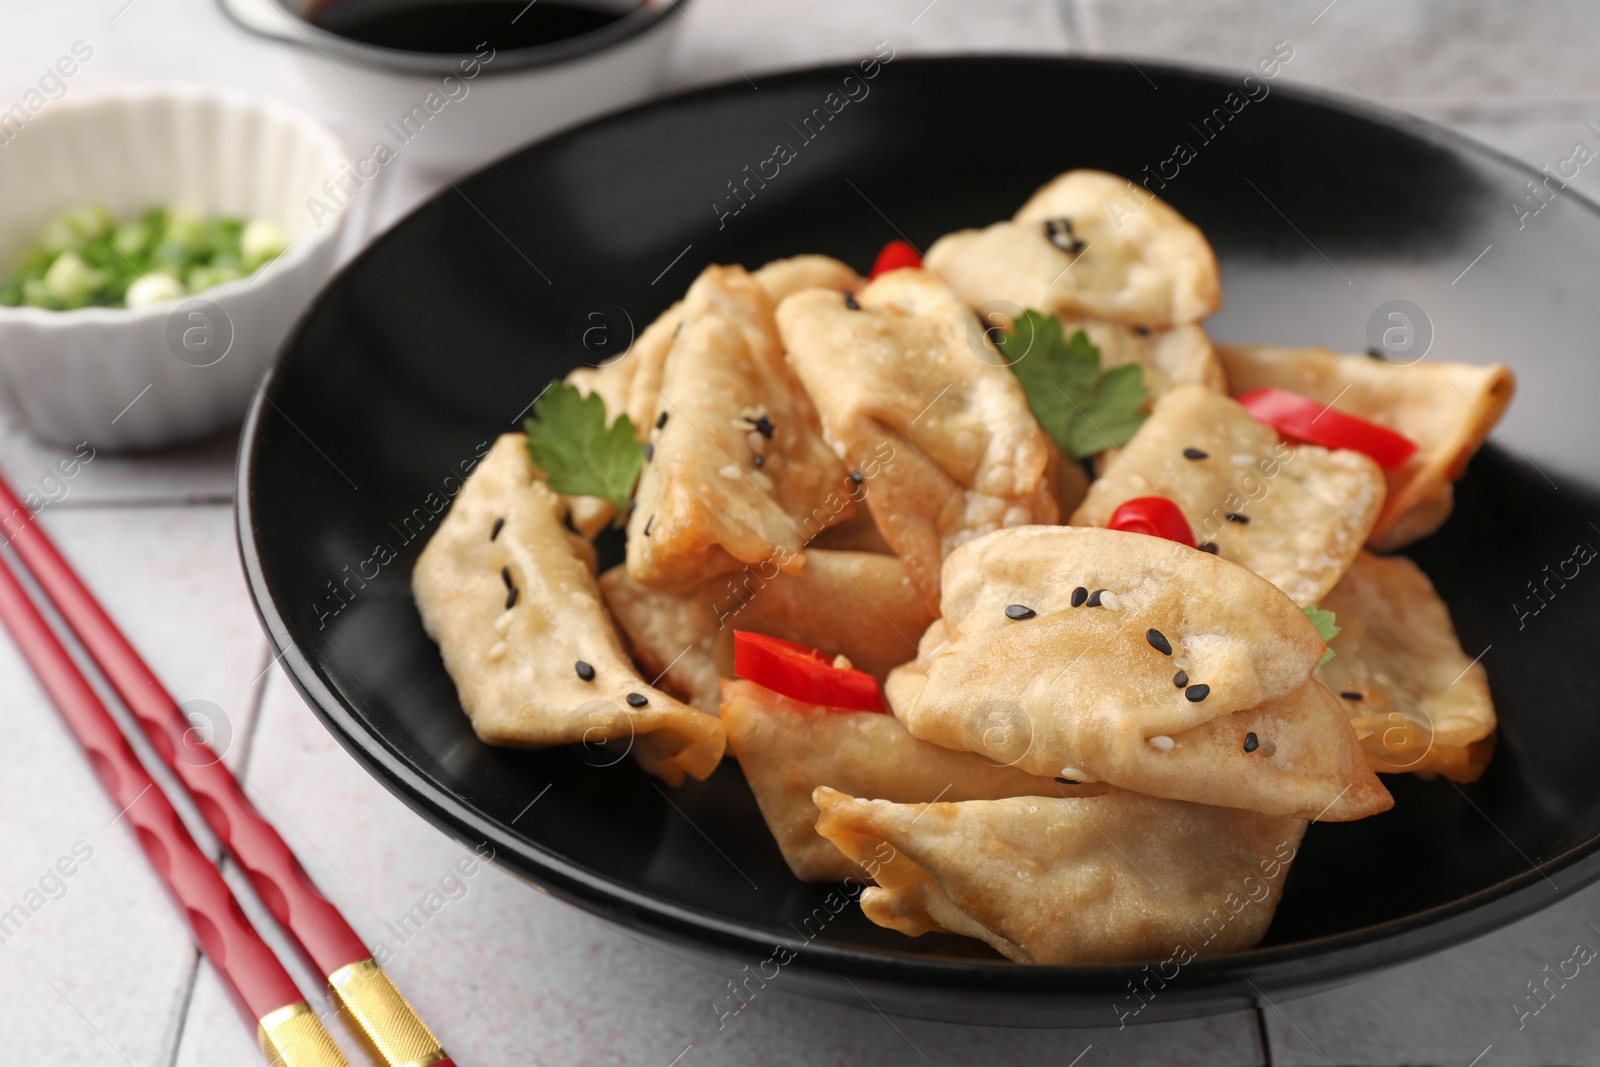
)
(289, 1031)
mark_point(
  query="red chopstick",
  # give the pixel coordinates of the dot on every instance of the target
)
(373, 1008)
(290, 1032)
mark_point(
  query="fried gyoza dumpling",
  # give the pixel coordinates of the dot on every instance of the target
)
(1109, 879)
(784, 276)
(509, 595)
(1168, 358)
(860, 605)
(1296, 515)
(674, 636)
(787, 748)
(1417, 701)
(1088, 245)
(1448, 409)
(917, 400)
(1099, 655)
(739, 473)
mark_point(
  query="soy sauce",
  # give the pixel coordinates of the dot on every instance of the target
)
(454, 27)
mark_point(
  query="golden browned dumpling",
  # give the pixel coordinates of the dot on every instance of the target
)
(509, 595)
(738, 473)
(1448, 409)
(1099, 655)
(1088, 245)
(1167, 358)
(859, 605)
(1296, 515)
(1417, 701)
(918, 402)
(787, 748)
(784, 276)
(1109, 879)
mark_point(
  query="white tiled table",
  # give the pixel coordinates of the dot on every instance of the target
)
(106, 974)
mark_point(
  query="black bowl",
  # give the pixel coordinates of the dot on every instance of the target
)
(437, 338)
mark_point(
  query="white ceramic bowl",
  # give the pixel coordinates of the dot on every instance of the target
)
(175, 371)
(453, 113)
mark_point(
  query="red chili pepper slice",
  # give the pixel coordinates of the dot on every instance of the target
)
(1153, 515)
(1301, 419)
(895, 255)
(803, 673)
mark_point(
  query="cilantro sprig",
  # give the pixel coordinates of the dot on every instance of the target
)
(1323, 621)
(580, 455)
(1084, 409)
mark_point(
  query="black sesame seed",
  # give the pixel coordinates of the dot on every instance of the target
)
(763, 426)
(1142, 331)
(1251, 742)
(511, 598)
(1079, 595)
(1208, 546)
(505, 576)
(499, 524)
(1376, 353)
(661, 420)
(632, 504)
(1158, 641)
(651, 521)
(1180, 679)
(758, 459)
(585, 671)
(1197, 693)
(1351, 695)
(1059, 233)
(649, 451)
(850, 301)
(1242, 520)
(1195, 453)
(1067, 781)
(1094, 598)
(636, 700)
(855, 476)
(1019, 611)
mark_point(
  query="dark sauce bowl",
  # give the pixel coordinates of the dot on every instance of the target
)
(500, 72)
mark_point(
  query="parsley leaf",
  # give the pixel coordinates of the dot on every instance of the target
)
(580, 455)
(1083, 409)
(1323, 621)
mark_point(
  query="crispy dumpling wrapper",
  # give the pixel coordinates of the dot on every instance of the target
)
(1088, 245)
(916, 400)
(1417, 701)
(1109, 879)
(1295, 514)
(1086, 693)
(1448, 409)
(674, 636)
(856, 604)
(513, 655)
(782, 277)
(1167, 358)
(740, 473)
(787, 748)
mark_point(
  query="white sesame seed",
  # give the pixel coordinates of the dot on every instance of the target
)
(1162, 741)
(1243, 459)
(1109, 601)
(1268, 747)
(757, 443)
(1075, 774)
(1180, 663)
(730, 471)
(761, 481)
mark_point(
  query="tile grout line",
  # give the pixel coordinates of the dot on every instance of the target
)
(1262, 1035)
(258, 707)
(185, 1003)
